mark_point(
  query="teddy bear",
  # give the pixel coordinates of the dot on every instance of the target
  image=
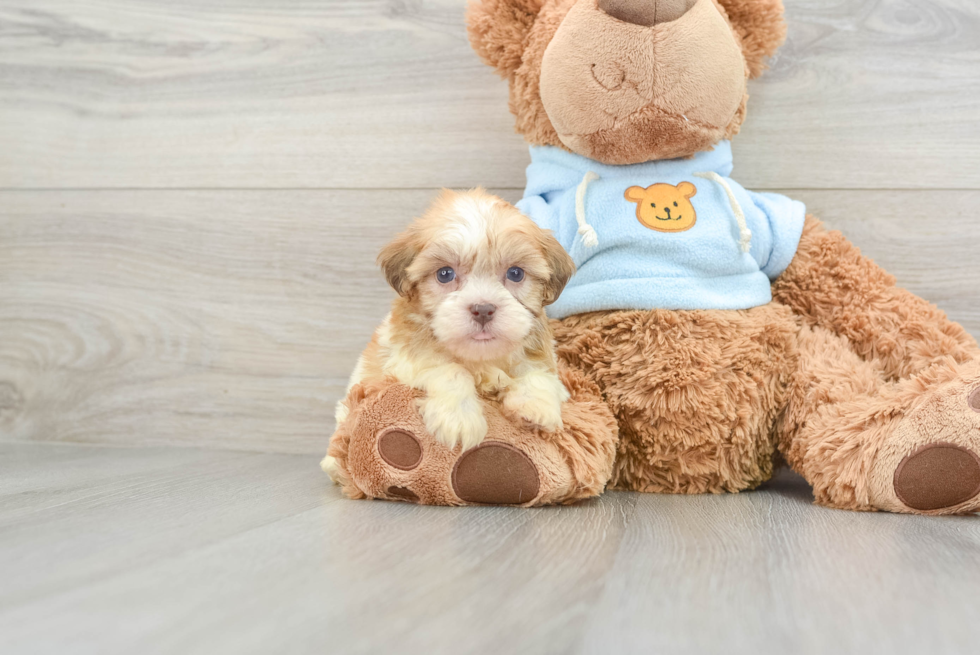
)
(724, 329)
(749, 331)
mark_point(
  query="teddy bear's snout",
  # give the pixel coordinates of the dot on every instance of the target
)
(646, 12)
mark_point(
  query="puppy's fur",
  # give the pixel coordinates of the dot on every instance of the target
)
(433, 339)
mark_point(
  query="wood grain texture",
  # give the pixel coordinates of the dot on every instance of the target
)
(177, 551)
(233, 319)
(89, 513)
(766, 572)
(387, 93)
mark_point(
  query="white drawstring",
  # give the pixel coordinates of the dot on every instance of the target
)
(589, 237)
(745, 234)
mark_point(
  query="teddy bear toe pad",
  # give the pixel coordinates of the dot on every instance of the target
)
(400, 449)
(403, 493)
(495, 474)
(937, 476)
(975, 400)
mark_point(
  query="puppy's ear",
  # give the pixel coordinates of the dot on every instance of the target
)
(561, 265)
(395, 258)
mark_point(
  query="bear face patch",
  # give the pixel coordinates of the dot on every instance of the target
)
(664, 207)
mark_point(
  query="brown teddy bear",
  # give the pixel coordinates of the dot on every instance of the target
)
(721, 329)
(868, 391)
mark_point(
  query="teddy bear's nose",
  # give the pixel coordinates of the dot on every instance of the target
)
(646, 12)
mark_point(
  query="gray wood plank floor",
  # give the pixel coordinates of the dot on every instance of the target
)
(192, 194)
(171, 550)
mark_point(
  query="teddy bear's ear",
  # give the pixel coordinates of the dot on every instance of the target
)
(761, 25)
(498, 30)
(687, 189)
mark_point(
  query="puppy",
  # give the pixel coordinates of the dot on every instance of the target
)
(473, 277)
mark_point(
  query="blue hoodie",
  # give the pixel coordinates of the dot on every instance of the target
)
(676, 234)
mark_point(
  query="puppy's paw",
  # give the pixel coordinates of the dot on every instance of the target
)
(453, 421)
(544, 413)
(537, 404)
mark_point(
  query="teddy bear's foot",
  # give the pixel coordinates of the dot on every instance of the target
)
(938, 476)
(383, 450)
(931, 464)
(493, 473)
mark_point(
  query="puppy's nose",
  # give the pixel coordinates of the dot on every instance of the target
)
(646, 12)
(483, 313)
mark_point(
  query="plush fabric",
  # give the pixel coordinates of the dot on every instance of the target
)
(650, 13)
(512, 36)
(760, 27)
(704, 399)
(868, 391)
(696, 393)
(637, 265)
(690, 68)
(572, 464)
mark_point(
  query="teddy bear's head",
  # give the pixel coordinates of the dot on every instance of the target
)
(627, 81)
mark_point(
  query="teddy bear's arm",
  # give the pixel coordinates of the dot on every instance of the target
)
(777, 224)
(832, 285)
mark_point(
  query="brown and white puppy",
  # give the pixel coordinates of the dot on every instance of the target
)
(473, 276)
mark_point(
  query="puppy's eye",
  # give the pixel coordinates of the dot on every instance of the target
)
(515, 274)
(445, 275)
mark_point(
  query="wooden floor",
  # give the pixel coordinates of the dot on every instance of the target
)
(192, 194)
(178, 550)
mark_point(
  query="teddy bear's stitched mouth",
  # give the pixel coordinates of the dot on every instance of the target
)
(677, 218)
(643, 112)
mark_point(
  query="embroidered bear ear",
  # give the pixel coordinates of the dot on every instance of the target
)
(687, 189)
(635, 194)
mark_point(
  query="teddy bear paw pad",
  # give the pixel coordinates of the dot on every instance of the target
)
(403, 493)
(495, 473)
(975, 400)
(937, 476)
(400, 450)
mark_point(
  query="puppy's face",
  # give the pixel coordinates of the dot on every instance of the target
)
(479, 271)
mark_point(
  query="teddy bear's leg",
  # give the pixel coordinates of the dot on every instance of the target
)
(884, 410)
(383, 450)
(866, 442)
(696, 393)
